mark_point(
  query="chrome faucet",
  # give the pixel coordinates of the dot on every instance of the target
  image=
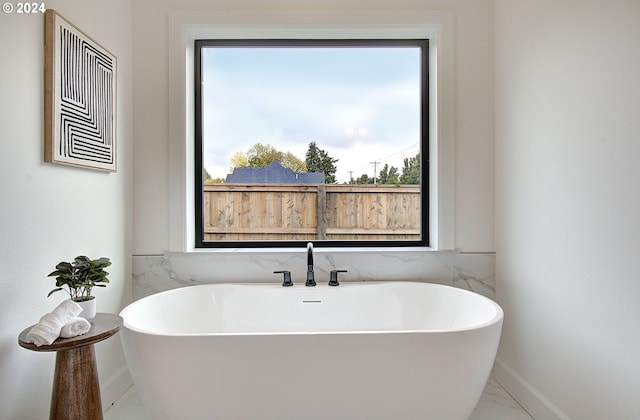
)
(310, 280)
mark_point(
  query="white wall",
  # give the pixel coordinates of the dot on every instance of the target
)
(473, 109)
(51, 213)
(568, 205)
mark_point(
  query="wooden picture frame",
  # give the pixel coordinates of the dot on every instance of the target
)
(80, 98)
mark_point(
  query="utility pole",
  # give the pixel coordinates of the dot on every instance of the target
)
(375, 166)
(350, 177)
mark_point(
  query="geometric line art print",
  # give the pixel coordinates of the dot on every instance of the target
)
(80, 98)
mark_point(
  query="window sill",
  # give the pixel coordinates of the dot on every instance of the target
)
(317, 250)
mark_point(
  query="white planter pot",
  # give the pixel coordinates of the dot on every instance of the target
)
(88, 308)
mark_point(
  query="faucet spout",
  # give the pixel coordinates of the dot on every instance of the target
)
(310, 277)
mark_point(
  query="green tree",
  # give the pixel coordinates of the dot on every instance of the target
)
(206, 176)
(238, 160)
(363, 180)
(261, 155)
(208, 180)
(411, 170)
(318, 160)
(389, 175)
(289, 160)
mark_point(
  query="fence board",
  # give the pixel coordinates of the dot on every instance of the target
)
(241, 212)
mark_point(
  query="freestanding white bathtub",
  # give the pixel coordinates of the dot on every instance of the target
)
(388, 351)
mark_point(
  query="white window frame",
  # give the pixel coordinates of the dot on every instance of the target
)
(185, 27)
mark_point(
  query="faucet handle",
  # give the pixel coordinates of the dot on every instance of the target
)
(333, 277)
(287, 278)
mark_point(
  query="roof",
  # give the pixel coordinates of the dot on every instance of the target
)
(275, 173)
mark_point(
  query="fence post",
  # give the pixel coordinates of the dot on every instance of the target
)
(321, 209)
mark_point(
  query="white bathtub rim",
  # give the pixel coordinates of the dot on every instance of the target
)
(496, 319)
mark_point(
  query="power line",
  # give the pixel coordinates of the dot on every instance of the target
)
(409, 150)
(401, 152)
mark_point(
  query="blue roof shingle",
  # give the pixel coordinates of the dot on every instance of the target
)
(275, 173)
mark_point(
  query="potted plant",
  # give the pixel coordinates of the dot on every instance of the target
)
(78, 277)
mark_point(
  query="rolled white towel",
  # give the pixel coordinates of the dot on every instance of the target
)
(77, 326)
(48, 329)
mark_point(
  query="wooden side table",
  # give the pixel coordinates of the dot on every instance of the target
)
(76, 389)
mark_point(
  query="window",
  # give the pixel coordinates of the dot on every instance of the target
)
(311, 140)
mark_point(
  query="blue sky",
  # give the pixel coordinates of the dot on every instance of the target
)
(358, 104)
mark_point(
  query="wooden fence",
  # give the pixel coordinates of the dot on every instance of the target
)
(244, 212)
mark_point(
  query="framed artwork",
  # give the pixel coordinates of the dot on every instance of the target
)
(80, 98)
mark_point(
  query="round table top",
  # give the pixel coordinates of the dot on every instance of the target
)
(103, 326)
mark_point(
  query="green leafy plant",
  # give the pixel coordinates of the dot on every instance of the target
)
(78, 277)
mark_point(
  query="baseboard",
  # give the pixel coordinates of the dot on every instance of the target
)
(114, 387)
(532, 400)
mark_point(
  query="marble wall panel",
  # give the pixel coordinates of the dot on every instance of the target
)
(156, 273)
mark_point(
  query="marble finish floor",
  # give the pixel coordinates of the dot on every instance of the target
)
(495, 404)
